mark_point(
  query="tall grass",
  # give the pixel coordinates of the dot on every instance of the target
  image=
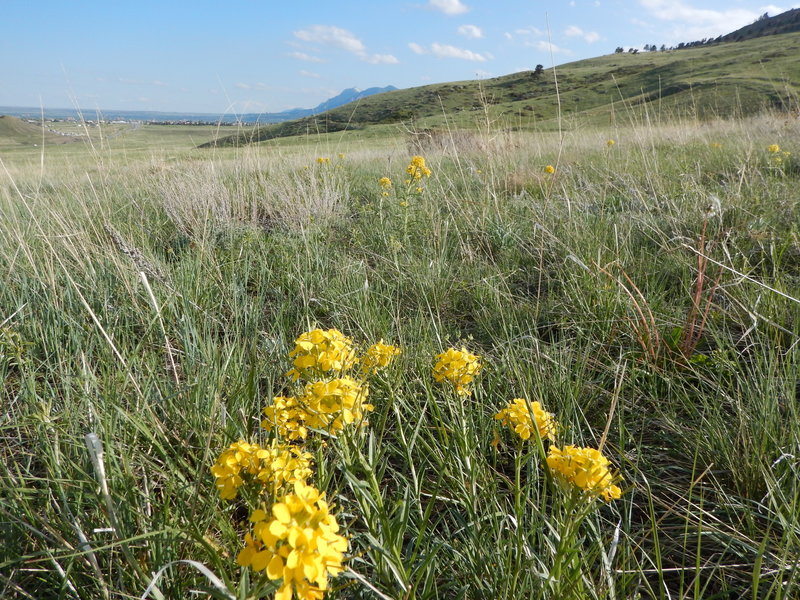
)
(152, 303)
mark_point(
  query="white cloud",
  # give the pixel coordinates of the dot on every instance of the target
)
(524, 32)
(588, 36)
(446, 51)
(305, 73)
(380, 59)
(449, 7)
(690, 23)
(332, 36)
(306, 57)
(242, 86)
(546, 46)
(470, 31)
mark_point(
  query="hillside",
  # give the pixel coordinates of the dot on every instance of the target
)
(717, 80)
(17, 132)
(786, 22)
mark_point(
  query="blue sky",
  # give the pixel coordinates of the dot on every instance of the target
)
(267, 56)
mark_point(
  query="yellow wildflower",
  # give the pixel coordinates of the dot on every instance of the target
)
(298, 543)
(287, 416)
(322, 160)
(271, 467)
(524, 421)
(341, 155)
(330, 405)
(585, 468)
(324, 405)
(378, 356)
(773, 148)
(403, 203)
(385, 182)
(459, 367)
(610, 143)
(318, 351)
(417, 168)
(550, 169)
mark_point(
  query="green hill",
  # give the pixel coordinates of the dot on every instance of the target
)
(736, 78)
(786, 22)
(16, 132)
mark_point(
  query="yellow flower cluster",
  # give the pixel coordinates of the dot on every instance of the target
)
(378, 356)
(298, 543)
(323, 160)
(417, 168)
(385, 182)
(325, 405)
(333, 404)
(317, 352)
(585, 468)
(272, 467)
(287, 416)
(459, 367)
(524, 420)
(549, 169)
(773, 148)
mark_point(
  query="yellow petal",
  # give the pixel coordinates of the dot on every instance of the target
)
(275, 568)
(284, 592)
(281, 512)
(260, 560)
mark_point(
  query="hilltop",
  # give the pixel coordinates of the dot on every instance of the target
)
(724, 79)
(786, 22)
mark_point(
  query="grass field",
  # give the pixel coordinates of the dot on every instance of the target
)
(646, 292)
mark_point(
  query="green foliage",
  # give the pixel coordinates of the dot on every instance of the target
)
(154, 298)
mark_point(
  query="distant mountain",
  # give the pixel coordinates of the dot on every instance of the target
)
(347, 96)
(350, 95)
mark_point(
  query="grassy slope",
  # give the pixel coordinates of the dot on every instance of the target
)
(726, 79)
(16, 132)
